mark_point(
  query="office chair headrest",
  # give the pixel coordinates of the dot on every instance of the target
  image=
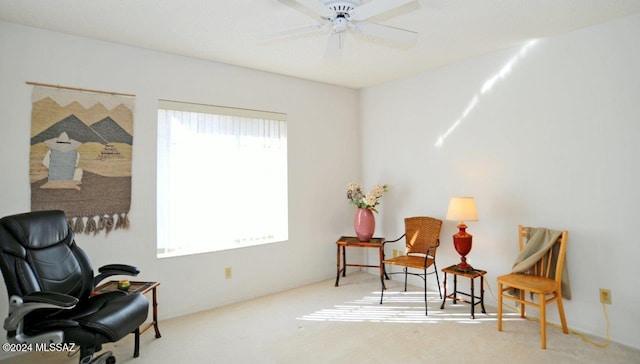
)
(39, 229)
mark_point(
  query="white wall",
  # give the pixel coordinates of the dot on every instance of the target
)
(323, 158)
(554, 143)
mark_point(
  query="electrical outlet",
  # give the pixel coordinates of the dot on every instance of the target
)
(227, 273)
(396, 252)
(605, 296)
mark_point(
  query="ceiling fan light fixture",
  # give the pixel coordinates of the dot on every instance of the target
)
(340, 24)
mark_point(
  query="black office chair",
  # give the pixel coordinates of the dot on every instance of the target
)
(49, 281)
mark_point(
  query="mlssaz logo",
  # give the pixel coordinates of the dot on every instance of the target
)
(55, 346)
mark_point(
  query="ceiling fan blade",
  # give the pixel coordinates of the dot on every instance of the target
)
(375, 7)
(293, 31)
(334, 45)
(386, 32)
(317, 7)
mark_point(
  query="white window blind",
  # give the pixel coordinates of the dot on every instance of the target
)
(222, 178)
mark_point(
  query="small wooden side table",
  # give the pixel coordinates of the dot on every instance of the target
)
(471, 274)
(142, 288)
(352, 241)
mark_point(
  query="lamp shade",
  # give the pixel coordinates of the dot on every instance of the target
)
(462, 209)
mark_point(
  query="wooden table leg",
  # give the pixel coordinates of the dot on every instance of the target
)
(337, 264)
(344, 261)
(455, 289)
(155, 313)
(473, 300)
(444, 299)
(482, 294)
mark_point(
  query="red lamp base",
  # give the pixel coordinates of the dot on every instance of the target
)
(462, 242)
(463, 265)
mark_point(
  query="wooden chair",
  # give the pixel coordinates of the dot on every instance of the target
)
(544, 280)
(422, 236)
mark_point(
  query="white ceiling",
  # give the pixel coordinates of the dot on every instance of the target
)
(228, 31)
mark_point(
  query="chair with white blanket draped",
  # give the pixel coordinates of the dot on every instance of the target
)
(539, 271)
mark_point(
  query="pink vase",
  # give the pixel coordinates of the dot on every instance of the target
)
(364, 224)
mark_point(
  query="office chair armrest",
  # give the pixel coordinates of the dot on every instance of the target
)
(113, 270)
(58, 299)
(126, 269)
(21, 306)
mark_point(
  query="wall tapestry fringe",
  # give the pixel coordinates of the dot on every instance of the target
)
(96, 224)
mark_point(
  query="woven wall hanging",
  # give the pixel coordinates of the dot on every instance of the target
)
(80, 160)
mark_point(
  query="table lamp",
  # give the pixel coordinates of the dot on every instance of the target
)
(461, 209)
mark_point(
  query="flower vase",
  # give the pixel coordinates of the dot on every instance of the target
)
(364, 224)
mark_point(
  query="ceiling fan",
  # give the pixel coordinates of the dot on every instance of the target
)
(342, 15)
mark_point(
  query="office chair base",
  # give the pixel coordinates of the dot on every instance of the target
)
(104, 358)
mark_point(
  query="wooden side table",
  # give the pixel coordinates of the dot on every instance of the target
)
(142, 288)
(471, 274)
(352, 241)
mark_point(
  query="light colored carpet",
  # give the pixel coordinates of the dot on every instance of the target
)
(320, 323)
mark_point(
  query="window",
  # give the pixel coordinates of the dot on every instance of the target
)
(222, 178)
